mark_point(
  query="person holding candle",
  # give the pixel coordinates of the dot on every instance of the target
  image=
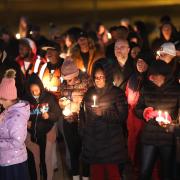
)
(86, 53)
(49, 72)
(159, 99)
(72, 91)
(45, 112)
(13, 131)
(103, 114)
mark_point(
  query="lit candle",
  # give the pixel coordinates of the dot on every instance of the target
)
(158, 53)
(83, 69)
(166, 121)
(159, 113)
(66, 112)
(18, 36)
(159, 118)
(61, 79)
(109, 35)
(94, 101)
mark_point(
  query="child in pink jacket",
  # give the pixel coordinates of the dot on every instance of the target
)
(13, 131)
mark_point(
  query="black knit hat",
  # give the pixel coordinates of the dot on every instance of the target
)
(159, 67)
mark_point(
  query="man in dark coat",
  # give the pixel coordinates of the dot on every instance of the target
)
(123, 65)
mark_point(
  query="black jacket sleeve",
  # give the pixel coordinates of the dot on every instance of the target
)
(55, 112)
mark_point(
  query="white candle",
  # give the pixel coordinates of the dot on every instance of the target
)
(159, 118)
(61, 79)
(159, 113)
(94, 101)
(166, 117)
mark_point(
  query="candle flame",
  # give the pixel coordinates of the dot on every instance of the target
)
(18, 36)
(66, 112)
(83, 69)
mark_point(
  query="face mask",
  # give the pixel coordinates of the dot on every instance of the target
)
(36, 97)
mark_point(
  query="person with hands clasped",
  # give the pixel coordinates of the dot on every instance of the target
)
(45, 112)
(72, 91)
(103, 114)
(158, 105)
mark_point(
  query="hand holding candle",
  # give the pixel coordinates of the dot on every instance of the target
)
(159, 118)
(163, 118)
(67, 112)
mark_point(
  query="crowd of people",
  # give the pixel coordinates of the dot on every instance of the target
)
(111, 97)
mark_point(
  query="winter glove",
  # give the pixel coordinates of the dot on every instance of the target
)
(149, 113)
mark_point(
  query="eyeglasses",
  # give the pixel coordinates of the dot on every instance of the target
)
(99, 77)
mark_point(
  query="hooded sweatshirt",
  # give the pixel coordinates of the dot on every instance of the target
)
(13, 131)
(46, 102)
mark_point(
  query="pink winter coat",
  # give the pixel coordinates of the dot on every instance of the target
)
(13, 131)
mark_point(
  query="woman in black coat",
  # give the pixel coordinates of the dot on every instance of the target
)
(160, 97)
(103, 117)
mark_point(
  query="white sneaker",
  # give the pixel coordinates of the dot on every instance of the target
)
(76, 177)
(85, 178)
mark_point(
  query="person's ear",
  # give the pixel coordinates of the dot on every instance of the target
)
(151, 78)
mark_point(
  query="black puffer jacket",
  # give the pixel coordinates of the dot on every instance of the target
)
(103, 139)
(164, 98)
